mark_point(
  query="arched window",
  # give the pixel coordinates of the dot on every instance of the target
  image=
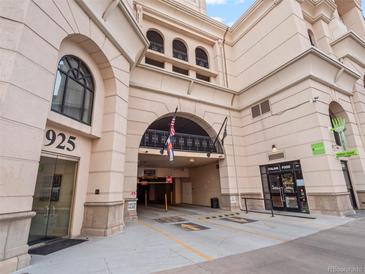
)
(201, 58)
(311, 38)
(73, 92)
(179, 50)
(335, 134)
(156, 41)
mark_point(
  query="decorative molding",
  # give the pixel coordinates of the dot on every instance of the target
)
(108, 33)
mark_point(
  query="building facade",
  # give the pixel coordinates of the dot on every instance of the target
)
(88, 89)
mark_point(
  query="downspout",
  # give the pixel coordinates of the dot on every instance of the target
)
(230, 118)
(224, 57)
(234, 162)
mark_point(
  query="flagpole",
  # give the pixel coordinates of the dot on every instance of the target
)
(163, 147)
(216, 138)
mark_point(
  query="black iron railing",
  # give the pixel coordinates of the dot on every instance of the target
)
(156, 46)
(202, 62)
(180, 54)
(153, 138)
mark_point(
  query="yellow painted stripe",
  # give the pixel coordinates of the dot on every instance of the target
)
(260, 234)
(181, 243)
(191, 227)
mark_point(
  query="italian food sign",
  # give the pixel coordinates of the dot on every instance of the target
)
(339, 126)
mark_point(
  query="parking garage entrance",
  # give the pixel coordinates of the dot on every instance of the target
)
(192, 178)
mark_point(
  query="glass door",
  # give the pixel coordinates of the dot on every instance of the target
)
(350, 189)
(289, 191)
(52, 199)
(276, 191)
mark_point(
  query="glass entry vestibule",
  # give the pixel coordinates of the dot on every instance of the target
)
(283, 183)
(52, 199)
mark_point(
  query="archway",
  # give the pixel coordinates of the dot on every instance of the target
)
(192, 177)
(343, 135)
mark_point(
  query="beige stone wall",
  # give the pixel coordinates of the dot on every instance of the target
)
(265, 55)
(205, 184)
(258, 44)
(34, 36)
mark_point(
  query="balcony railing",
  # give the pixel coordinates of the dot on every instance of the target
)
(153, 138)
(156, 46)
(202, 62)
(180, 54)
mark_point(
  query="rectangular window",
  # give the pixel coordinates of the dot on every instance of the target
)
(255, 110)
(180, 70)
(202, 77)
(155, 63)
(265, 107)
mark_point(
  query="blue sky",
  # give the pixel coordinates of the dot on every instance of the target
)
(228, 11)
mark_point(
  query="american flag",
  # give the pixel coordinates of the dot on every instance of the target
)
(170, 149)
(172, 126)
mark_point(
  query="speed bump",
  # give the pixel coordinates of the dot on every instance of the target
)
(170, 219)
(191, 227)
(237, 219)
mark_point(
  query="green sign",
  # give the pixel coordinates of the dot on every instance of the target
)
(318, 148)
(347, 153)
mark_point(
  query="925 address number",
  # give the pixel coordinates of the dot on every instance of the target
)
(62, 143)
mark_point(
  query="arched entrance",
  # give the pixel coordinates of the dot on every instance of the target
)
(344, 139)
(192, 177)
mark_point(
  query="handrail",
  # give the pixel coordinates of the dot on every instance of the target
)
(181, 141)
(259, 199)
(202, 62)
(179, 54)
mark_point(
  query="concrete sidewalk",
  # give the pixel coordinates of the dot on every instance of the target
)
(337, 250)
(150, 245)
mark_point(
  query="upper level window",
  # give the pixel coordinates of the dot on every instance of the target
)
(259, 109)
(73, 92)
(311, 38)
(179, 50)
(201, 58)
(156, 41)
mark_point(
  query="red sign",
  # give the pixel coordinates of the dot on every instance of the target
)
(169, 179)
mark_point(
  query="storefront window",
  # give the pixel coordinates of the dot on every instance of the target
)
(283, 183)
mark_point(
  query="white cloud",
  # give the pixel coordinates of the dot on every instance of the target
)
(219, 19)
(240, 1)
(229, 24)
(215, 2)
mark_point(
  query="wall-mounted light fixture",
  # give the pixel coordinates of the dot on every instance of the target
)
(274, 149)
(192, 160)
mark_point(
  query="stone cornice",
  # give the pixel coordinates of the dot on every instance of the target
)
(349, 34)
(351, 52)
(218, 28)
(310, 51)
(314, 10)
(108, 33)
(238, 107)
(247, 15)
